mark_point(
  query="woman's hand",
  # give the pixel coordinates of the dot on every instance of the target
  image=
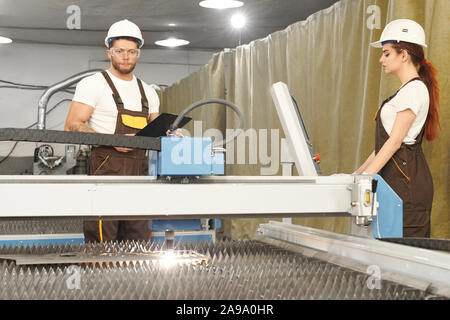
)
(177, 133)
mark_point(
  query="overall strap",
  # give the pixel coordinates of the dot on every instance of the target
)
(419, 137)
(422, 131)
(393, 96)
(116, 96)
(413, 79)
(144, 100)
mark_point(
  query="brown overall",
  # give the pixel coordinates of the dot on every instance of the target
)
(108, 161)
(407, 173)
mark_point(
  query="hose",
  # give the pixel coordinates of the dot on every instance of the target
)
(60, 86)
(211, 101)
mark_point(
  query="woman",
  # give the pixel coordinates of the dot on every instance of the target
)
(403, 120)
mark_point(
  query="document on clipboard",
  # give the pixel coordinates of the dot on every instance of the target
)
(159, 126)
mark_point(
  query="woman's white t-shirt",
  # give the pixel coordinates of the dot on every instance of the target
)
(414, 96)
(95, 92)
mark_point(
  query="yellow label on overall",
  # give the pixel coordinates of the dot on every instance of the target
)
(134, 122)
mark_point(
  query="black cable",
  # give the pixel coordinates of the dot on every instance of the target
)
(15, 144)
(22, 88)
(22, 84)
(10, 152)
(50, 110)
(35, 87)
(13, 87)
(197, 104)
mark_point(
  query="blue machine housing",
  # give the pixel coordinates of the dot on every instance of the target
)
(185, 156)
(389, 221)
(188, 156)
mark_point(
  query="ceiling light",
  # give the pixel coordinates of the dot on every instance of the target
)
(238, 21)
(172, 25)
(5, 40)
(172, 42)
(221, 4)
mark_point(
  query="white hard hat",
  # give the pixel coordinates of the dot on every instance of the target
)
(124, 28)
(402, 30)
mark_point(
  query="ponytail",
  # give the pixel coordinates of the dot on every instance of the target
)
(428, 74)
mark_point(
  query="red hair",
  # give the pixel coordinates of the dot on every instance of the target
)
(428, 74)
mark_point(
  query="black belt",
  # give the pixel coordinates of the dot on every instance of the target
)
(86, 138)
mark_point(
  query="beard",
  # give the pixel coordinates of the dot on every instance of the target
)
(123, 69)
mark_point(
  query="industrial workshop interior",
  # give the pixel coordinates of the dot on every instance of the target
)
(247, 151)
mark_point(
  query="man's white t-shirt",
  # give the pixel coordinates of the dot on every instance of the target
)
(414, 96)
(95, 92)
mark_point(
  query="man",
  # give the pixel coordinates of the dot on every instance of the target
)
(115, 102)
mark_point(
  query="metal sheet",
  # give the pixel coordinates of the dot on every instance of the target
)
(102, 257)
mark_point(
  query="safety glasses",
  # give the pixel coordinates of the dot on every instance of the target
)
(120, 52)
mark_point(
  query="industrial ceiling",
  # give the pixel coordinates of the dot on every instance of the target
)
(85, 22)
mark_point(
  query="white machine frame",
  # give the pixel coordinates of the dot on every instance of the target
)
(295, 136)
(227, 196)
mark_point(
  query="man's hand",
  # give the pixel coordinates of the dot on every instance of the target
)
(123, 149)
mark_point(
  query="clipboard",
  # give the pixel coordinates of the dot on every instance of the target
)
(159, 126)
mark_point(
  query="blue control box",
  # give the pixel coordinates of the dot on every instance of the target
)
(189, 156)
(389, 222)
